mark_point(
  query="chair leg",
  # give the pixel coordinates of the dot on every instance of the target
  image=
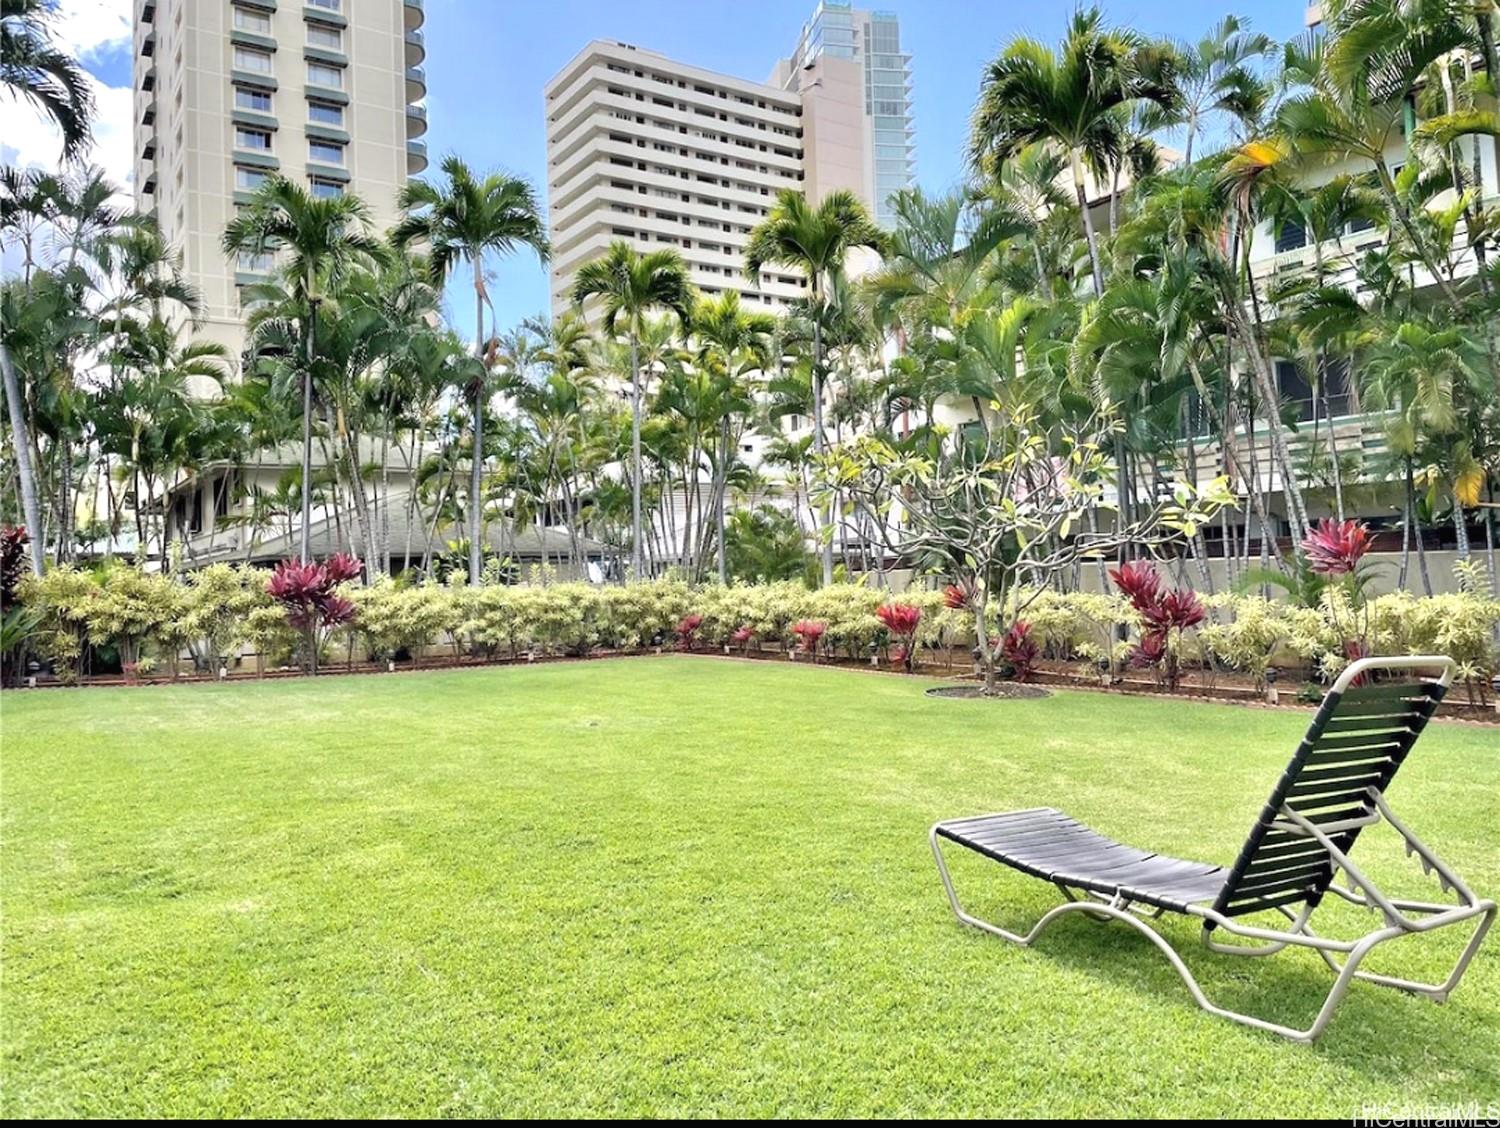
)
(1116, 911)
(1437, 992)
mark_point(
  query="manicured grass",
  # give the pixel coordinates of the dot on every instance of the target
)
(665, 886)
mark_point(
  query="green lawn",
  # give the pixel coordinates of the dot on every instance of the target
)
(664, 886)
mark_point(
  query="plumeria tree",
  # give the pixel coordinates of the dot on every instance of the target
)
(1008, 513)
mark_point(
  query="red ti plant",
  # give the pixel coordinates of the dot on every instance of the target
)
(902, 620)
(1019, 650)
(808, 632)
(955, 598)
(742, 636)
(309, 595)
(1165, 615)
(687, 630)
(1335, 550)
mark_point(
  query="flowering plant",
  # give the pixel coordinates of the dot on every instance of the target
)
(1166, 614)
(1335, 551)
(902, 620)
(310, 599)
(1019, 650)
(809, 632)
(687, 630)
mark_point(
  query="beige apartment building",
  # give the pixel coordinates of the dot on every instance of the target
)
(662, 153)
(227, 92)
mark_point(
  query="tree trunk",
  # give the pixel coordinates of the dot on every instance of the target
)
(25, 473)
(818, 442)
(476, 471)
(305, 548)
(636, 532)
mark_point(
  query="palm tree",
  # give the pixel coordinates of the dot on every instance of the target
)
(33, 70)
(815, 240)
(1215, 75)
(1070, 97)
(323, 240)
(732, 343)
(464, 220)
(631, 285)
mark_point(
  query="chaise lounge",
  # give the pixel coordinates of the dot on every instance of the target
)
(1333, 789)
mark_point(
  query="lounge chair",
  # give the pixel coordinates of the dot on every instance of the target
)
(1333, 789)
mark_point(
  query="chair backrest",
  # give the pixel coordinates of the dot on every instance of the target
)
(1362, 732)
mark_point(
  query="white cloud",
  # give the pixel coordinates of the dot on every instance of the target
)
(32, 141)
(84, 28)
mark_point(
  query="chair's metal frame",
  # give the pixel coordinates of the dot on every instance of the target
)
(1360, 890)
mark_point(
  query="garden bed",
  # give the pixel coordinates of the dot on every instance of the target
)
(1225, 687)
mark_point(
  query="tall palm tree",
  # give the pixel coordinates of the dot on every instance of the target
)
(1216, 74)
(33, 70)
(817, 241)
(733, 342)
(467, 219)
(323, 240)
(1070, 97)
(630, 285)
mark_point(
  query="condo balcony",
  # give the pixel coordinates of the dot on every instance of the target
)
(416, 47)
(416, 84)
(412, 9)
(416, 157)
(416, 121)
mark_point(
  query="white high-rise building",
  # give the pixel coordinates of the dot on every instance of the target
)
(662, 153)
(327, 92)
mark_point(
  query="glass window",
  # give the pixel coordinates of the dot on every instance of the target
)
(258, 22)
(247, 58)
(321, 74)
(248, 98)
(255, 263)
(258, 139)
(324, 152)
(1291, 236)
(325, 113)
(328, 5)
(320, 36)
(249, 179)
(326, 189)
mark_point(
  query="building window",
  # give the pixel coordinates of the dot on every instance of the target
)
(258, 139)
(255, 263)
(257, 22)
(326, 5)
(249, 179)
(326, 189)
(324, 152)
(321, 74)
(325, 113)
(249, 59)
(330, 37)
(248, 98)
(1291, 236)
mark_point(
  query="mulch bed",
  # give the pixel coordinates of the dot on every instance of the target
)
(1004, 691)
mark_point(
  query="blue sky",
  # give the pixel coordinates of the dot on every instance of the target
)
(487, 61)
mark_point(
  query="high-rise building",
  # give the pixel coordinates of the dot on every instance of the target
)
(856, 87)
(662, 153)
(326, 92)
